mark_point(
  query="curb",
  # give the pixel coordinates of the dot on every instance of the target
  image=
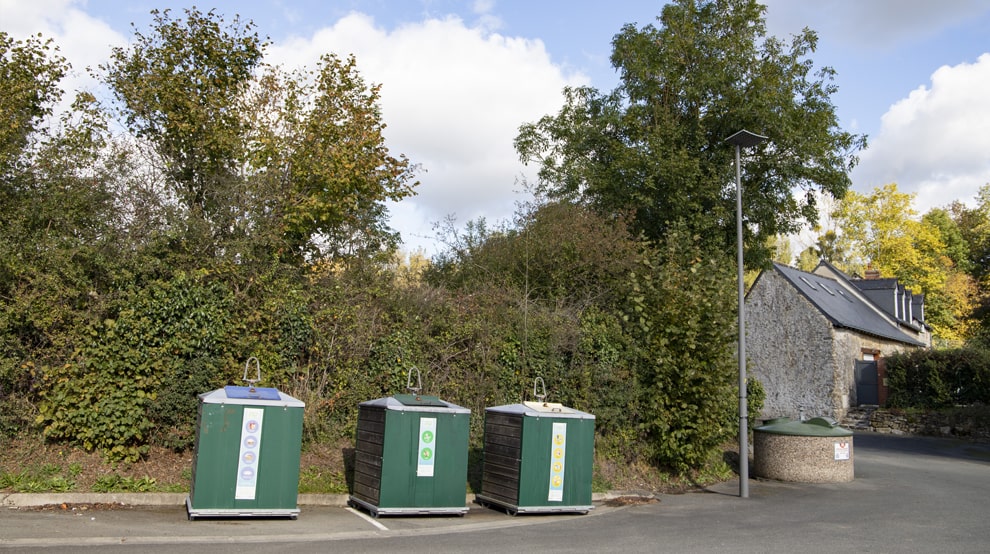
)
(35, 500)
(28, 500)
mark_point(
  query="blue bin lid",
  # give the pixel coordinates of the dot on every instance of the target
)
(252, 393)
(250, 396)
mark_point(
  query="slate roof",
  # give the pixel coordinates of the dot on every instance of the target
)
(876, 284)
(889, 296)
(844, 306)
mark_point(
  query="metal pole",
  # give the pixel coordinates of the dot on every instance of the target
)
(743, 411)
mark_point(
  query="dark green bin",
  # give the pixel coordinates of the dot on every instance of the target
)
(246, 463)
(411, 456)
(538, 458)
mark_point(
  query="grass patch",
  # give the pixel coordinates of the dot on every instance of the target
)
(318, 480)
(174, 487)
(44, 478)
(123, 483)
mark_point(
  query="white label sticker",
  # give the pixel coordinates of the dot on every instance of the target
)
(250, 454)
(558, 448)
(427, 451)
(842, 451)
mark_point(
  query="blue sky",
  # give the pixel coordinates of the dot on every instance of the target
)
(460, 76)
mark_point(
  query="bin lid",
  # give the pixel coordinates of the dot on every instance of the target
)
(814, 427)
(541, 409)
(250, 396)
(252, 393)
(420, 400)
(416, 403)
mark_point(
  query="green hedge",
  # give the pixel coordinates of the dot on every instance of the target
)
(939, 378)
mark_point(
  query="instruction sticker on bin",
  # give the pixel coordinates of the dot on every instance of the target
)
(558, 448)
(842, 451)
(247, 461)
(427, 447)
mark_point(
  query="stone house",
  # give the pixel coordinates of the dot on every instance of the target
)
(816, 341)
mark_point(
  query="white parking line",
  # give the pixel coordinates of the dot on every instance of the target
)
(367, 518)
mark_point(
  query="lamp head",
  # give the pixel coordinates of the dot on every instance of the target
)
(745, 139)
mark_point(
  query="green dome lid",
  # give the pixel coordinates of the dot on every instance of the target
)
(814, 427)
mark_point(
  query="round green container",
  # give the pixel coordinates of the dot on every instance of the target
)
(816, 450)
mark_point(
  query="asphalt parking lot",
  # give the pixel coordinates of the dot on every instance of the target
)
(910, 494)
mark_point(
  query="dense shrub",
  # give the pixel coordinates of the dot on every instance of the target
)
(136, 375)
(939, 378)
(688, 386)
(102, 398)
(650, 356)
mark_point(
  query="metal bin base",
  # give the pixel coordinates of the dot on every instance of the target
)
(512, 509)
(406, 511)
(193, 513)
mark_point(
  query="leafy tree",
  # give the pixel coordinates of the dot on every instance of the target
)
(57, 215)
(178, 88)
(684, 359)
(830, 248)
(882, 229)
(808, 259)
(317, 145)
(974, 226)
(558, 253)
(956, 246)
(959, 297)
(409, 268)
(239, 175)
(262, 161)
(655, 145)
(30, 71)
(782, 250)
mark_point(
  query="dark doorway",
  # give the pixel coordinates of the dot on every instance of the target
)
(867, 383)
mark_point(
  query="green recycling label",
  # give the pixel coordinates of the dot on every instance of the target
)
(427, 435)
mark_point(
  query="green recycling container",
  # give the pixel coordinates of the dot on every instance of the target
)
(411, 456)
(538, 458)
(246, 462)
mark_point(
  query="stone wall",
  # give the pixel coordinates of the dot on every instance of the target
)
(931, 424)
(789, 349)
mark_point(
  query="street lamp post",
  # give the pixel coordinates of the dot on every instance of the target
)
(742, 139)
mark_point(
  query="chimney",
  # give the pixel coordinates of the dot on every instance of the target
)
(871, 273)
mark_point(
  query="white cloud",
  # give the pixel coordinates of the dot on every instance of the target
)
(486, 19)
(83, 40)
(869, 24)
(453, 97)
(935, 141)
